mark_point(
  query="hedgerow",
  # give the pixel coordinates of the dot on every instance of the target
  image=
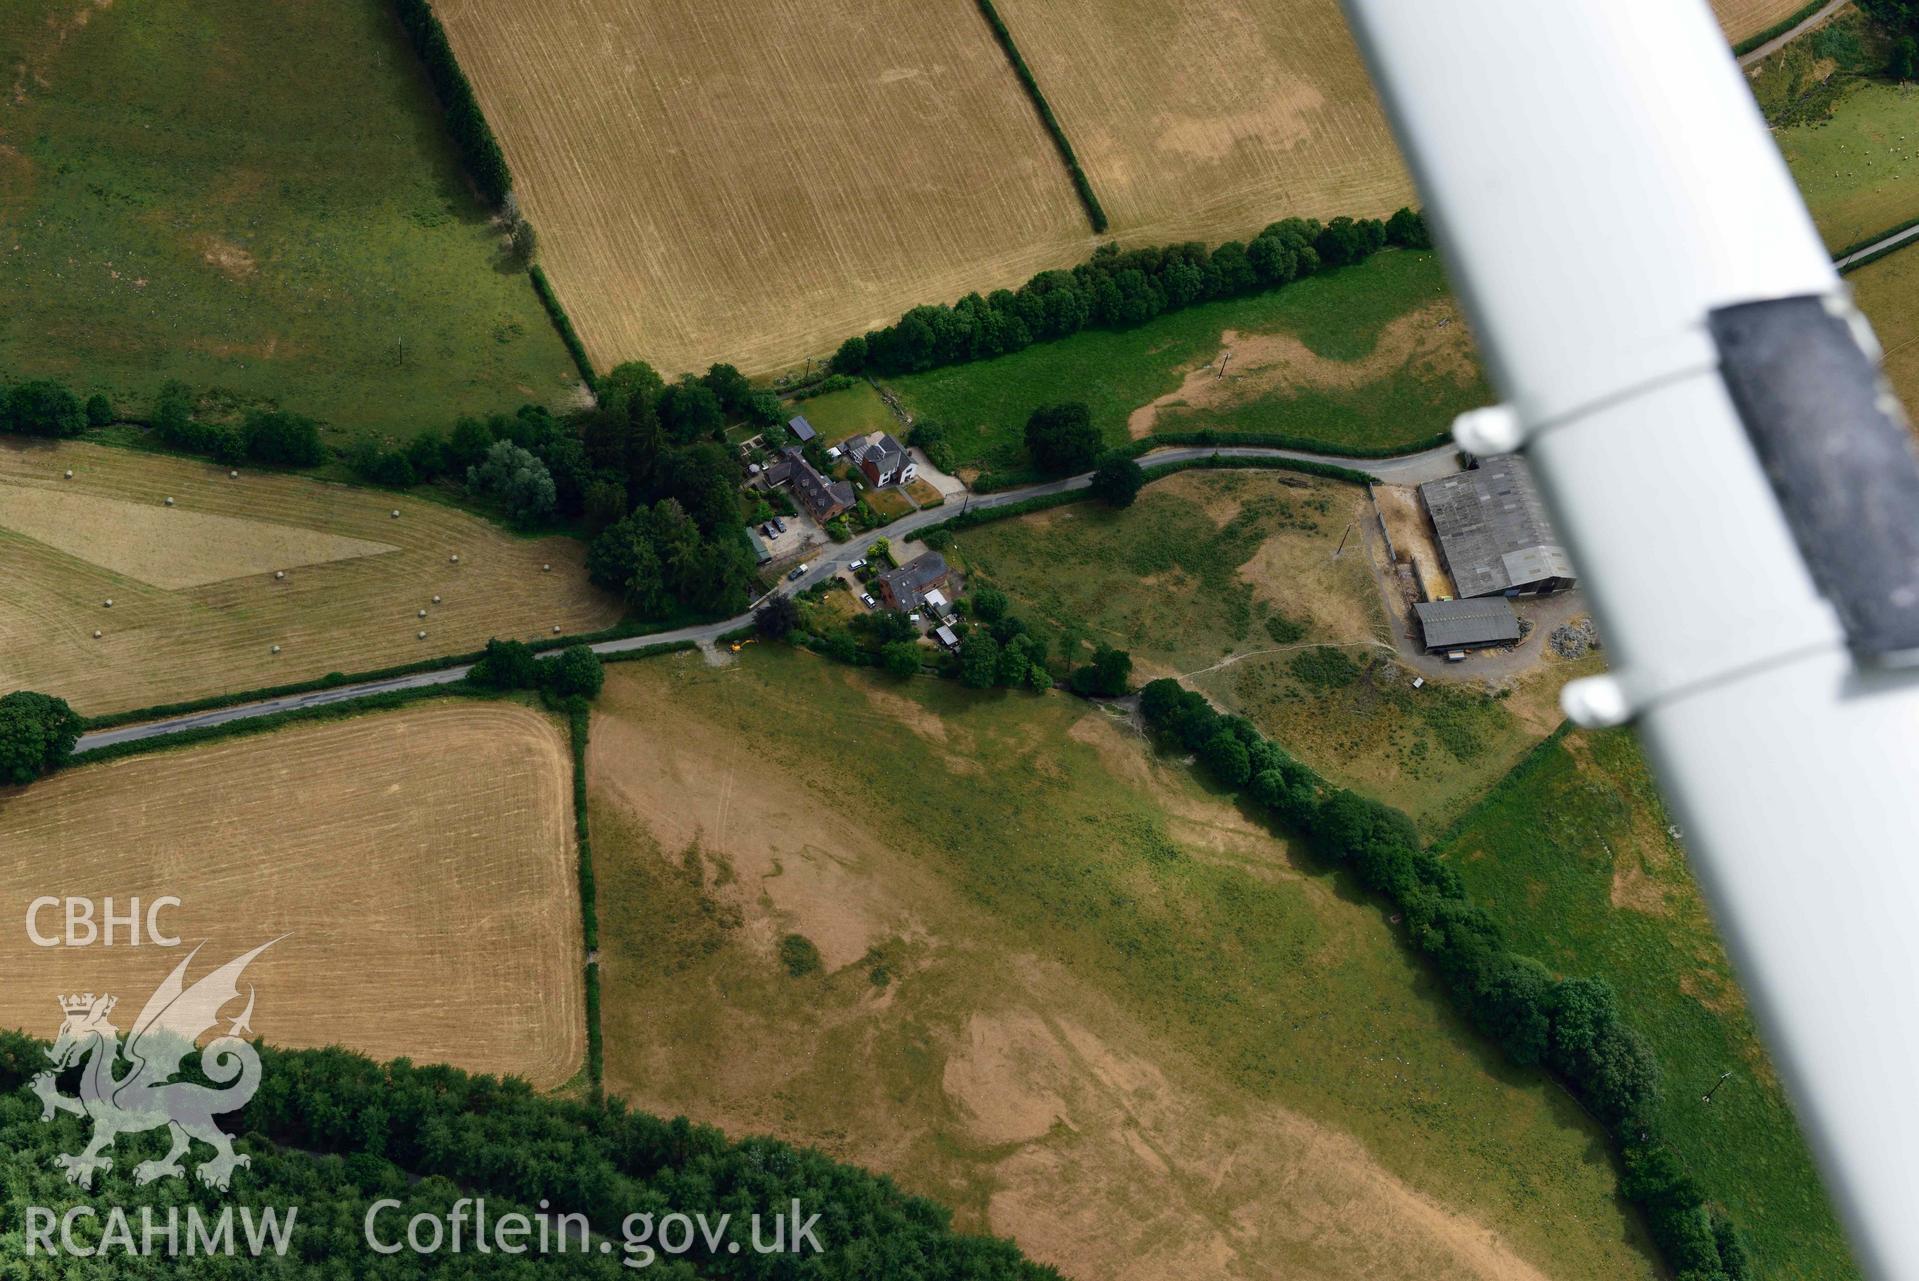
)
(1082, 185)
(472, 136)
(1570, 1026)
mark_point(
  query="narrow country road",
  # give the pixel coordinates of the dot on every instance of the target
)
(1427, 464)
(1878, 246)
(1780, 41)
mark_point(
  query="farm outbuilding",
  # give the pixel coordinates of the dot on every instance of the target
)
(1494, 534)
(1466, 624)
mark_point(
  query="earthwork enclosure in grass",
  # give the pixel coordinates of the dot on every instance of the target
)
(196, 607)
(419, 863)
(256, 198)
(1369, 357)
(752, 182)
(1060, 987)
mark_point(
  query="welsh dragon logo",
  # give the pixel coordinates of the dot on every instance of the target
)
(145, 1096)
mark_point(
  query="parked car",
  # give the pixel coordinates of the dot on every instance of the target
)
(798, 572)
(858, 565)
(779, 526)
(866, 599)
(768, 530)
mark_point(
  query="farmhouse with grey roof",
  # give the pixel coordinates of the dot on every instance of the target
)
(1493, 531)
(906, 587)
(1466, 624)
(822, 498)
(883, 459)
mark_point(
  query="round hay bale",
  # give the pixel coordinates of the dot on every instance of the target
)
(422, 635)
(69, 473)
(279, 574)
(546, 569)
(233, 475)
(109, 602)
(454, 559)
(169, 500)
(436, 600)
(396, 513)
(276, 649)
(96, 633)
(556, 629)
(422, 613)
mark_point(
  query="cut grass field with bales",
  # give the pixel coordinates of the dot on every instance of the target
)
(1859, 170)
(1574, 857)
(1250, 560)
(1047, 978)
(419, 865)
(1208, 121)
(1888, 292)
(260, 202)
(197, 608)
(1369, 357)
(752, 182)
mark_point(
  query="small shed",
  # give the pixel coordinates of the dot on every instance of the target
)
(801, 429)
(944, 635)
(1467, 624)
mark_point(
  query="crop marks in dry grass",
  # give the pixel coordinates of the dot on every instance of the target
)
(196, 607)
(752, 182)
(1067, 991)
(420, 864)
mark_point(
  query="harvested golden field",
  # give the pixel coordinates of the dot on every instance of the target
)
(752, 182)
(420, 864)
(1209, 121)
(1742, 18)
(1888, 292)
(196, 607)
(1054, 983)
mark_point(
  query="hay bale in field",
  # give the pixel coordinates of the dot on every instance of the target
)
(96, 633)
(396, 513)
(276, 649)
(69, 473)
(279, 574)
(546, 569)
(422, 613)
(436, 600)
(169, 500)
(454, 559)
(422, 635)
(109, 602)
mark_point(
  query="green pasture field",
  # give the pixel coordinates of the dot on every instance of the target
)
(258, 200)
(1859, 169)
(1338, 316)
(1574, 857)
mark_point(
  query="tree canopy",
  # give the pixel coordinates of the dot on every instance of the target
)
(37, 735)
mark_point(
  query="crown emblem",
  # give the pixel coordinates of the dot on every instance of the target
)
(83, 1004)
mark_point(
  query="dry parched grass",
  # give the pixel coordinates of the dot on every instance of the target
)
(420, 864)
(196, 607)
(1888, 292)
(1208, 121)
(751, 182)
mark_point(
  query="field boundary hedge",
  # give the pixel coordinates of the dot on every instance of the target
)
(1777, 29)
(1874, 239)
(579, 726)
(385, 700)
(1569, 1028)
(472, 137)
(1082, 185)
(563, 325)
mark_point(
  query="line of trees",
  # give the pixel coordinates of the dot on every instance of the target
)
(1117, 290)
(1570, 1026)
(48, 407)
(330, 1131)
(1082, 185)
(472, 137)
